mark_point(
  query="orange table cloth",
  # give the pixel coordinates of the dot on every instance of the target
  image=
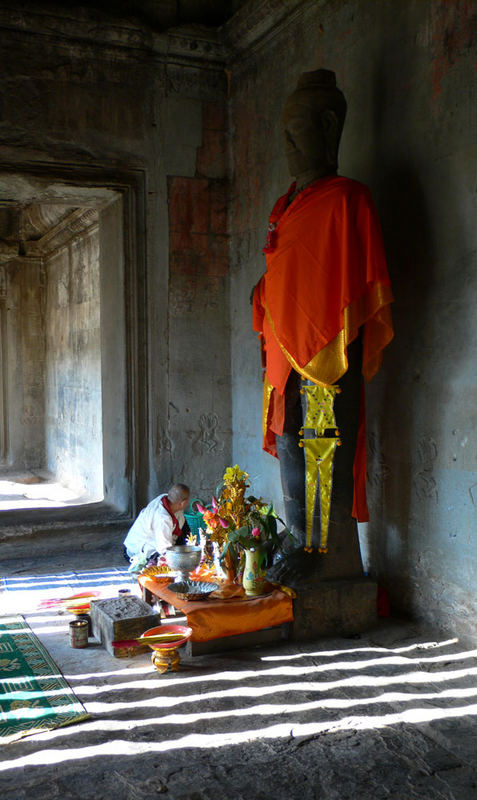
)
(214, 619)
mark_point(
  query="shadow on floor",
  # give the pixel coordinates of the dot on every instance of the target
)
(392, 714)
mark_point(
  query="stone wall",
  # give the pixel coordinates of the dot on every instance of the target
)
(198, 305)
(23, 364)
(118, 105)
(73, 418)
(99, 105)
(408, 72)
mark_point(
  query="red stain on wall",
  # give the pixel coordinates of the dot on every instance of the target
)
(198, 238)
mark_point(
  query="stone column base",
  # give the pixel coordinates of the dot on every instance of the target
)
(334, 608)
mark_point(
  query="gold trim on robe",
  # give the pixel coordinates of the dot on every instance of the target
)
(319, 455)
(331, 362)
(267, 394)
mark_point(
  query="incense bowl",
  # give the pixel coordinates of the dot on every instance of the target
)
(183, 559)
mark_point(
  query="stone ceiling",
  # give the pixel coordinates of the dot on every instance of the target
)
(160, 15)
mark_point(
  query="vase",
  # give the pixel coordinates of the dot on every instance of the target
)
(254, 581)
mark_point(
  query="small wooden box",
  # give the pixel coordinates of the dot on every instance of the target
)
(121, 618)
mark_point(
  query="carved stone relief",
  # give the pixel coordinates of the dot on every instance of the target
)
(424, 481)
(162, 440)
(205, 440)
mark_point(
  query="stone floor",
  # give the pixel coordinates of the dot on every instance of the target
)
(392, 714)
(38, 489)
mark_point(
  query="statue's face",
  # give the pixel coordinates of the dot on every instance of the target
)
(306, 145)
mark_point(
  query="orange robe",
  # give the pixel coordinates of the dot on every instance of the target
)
(326, 278)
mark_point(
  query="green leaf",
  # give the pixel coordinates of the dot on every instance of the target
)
(235, 536)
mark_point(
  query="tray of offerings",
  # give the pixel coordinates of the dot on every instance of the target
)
(192, 590)
(160, 573)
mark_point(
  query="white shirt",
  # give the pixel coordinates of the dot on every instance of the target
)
(152, 530)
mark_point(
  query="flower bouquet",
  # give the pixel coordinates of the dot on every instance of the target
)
(239, 523)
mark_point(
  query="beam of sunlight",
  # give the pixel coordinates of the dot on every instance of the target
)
(62, 627)
(41, 616)
(127, 670)
(106, 571)
(26, 679)
(72, 584)
(64, 704)
(16, 584)
(34, 581)
(334, 653)
(40, 493)
(270, 709)
(119, 747)
(6, 505)
(51, 491)
(110, 726)
(367, 680)
(388, 660)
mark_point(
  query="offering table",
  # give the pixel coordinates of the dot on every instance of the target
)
(227, 624)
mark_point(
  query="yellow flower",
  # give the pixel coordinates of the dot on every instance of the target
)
(234, 475)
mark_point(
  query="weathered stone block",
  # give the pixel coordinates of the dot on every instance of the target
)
(215, 116)
(333, 608)
(218, 207)
(121, 618)
(189, 205)
(212, 156)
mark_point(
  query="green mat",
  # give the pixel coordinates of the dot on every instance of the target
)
(34, 696)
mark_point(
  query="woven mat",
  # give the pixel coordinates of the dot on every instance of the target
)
(34, 696)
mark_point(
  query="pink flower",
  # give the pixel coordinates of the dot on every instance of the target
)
(223, 523)
(214, 504)
(200, 508)
(256, 533)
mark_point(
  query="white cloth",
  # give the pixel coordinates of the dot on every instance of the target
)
(152, 530)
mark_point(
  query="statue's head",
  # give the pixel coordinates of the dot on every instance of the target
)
(312, 123)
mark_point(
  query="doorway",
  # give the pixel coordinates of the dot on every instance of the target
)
(64, 431)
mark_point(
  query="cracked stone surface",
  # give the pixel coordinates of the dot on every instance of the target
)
(391, 714)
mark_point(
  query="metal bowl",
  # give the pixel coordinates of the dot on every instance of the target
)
(183, 558)
(192, 590)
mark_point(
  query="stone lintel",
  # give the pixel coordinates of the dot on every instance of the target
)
(192, 45)
(257, 21)
(195, 45)
(80, 221)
